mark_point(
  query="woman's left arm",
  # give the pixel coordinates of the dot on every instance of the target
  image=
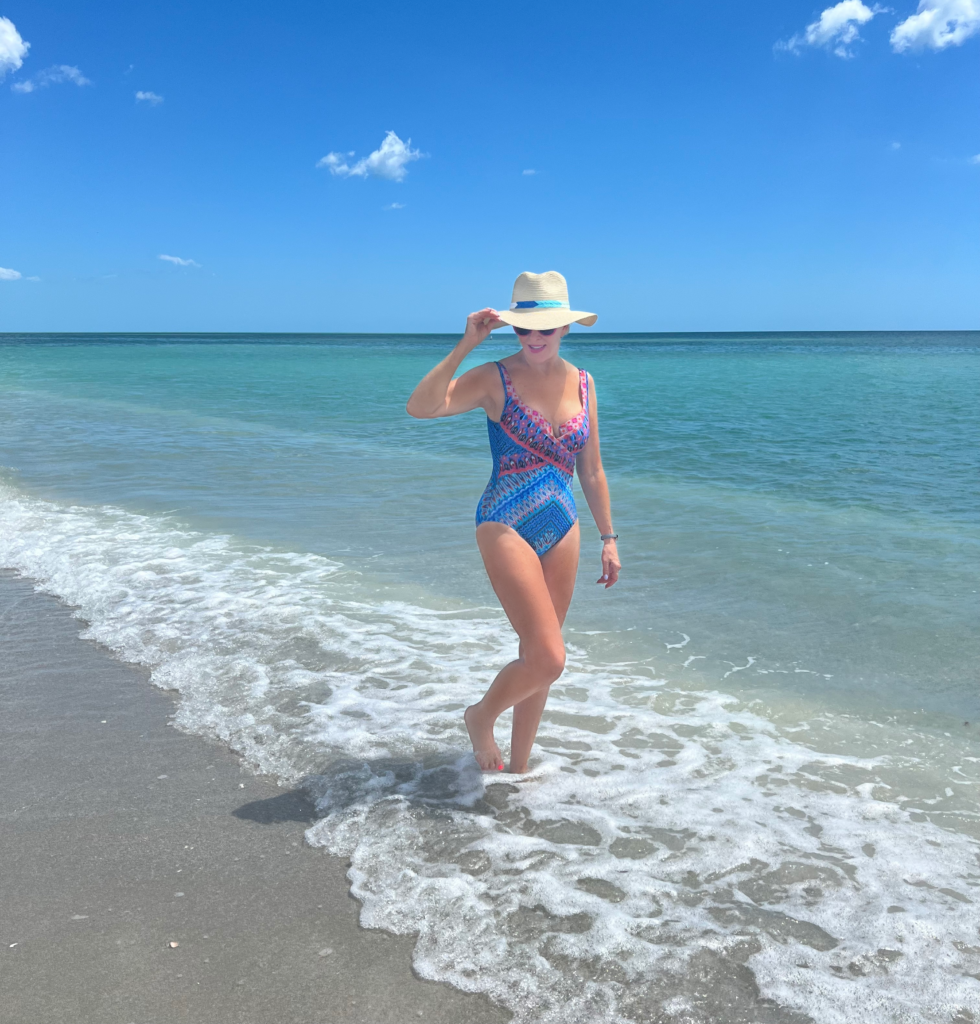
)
(592, 477)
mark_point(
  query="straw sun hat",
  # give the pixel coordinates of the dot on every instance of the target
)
(540, 301)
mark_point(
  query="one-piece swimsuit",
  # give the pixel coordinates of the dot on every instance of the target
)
(530, 488)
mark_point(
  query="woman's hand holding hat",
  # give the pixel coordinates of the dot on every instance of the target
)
(479, 325)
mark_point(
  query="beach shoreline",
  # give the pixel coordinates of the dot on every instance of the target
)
(122, 836)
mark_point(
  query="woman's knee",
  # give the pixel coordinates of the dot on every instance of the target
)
(546, 659)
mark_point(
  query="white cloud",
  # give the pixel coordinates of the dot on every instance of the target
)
(177, 261)
(335, 161)
(9, 275)
(51, 76)
(149, 97)
(13, 49)
(394, 206)
(529, 171)
(975, 159)
(836, 27)
(894, 145)
(387, 161)
(937, 24)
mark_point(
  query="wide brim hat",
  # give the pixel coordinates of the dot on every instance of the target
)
(540, 302)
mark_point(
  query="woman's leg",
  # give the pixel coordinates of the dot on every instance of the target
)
(521, 582)
(559, 565)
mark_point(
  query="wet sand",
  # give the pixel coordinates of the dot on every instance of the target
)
(120, 835)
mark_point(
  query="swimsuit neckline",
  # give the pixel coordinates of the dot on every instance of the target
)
(539, 417)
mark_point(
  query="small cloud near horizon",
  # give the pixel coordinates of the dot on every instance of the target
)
(894, 145)
(387, 161)
(13, 49)
(53, 75)
(975, 159)
(837, 27)
(9, 275)
(148, 97)
(529, 171)
(936, 25)
(394, 206)
(177, 261)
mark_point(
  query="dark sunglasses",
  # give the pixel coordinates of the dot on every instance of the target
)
(525, 331)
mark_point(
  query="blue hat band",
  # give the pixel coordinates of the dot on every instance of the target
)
(539, 304)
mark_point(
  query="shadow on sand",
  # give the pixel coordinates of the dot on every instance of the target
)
(295, 805)
(447, 780)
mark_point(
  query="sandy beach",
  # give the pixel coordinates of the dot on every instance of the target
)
(121, 836)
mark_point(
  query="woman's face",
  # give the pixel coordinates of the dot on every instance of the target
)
(540, 346)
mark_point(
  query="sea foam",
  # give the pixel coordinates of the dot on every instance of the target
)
(671, 856)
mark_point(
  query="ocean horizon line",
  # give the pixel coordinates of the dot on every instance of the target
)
(971, 336)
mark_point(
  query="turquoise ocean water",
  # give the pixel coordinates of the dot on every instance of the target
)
(755, 794)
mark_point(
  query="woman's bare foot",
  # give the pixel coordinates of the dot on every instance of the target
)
(485, 750)
(513, 769)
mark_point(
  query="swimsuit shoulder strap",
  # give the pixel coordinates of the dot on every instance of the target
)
(583, 383)
(505, 380)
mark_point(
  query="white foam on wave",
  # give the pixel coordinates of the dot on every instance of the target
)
(671, 856)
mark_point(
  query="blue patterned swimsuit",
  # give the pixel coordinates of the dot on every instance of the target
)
(530, 488)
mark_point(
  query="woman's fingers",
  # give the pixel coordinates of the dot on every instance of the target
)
(482, 322)
(483, 315)
(610, 570)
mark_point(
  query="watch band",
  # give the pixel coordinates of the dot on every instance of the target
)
(609, 536)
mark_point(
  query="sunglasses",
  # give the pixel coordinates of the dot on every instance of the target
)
(525, 331)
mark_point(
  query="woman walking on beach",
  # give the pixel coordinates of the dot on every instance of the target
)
(543, 425)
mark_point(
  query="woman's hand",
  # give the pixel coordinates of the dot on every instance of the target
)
(479, 325)
(610, 564)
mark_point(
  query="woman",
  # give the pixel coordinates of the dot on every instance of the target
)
(543, 424)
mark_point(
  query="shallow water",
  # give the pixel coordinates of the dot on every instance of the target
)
(755, 791)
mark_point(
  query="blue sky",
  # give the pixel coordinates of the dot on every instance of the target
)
(713, 166)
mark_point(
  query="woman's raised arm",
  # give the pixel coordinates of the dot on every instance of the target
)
(437, 394)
